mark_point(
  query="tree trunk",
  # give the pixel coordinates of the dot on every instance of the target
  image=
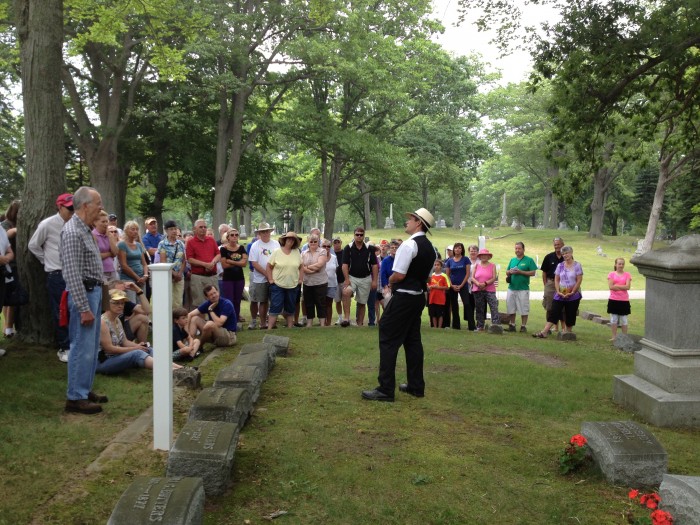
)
(598, 203)
(378, 201)
(40, 33)
(554, 213)
(547, 208)
(456, 209)
(330, 176)
(366, 208)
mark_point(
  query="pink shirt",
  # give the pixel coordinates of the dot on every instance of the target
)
(483, 274)
(619, 280)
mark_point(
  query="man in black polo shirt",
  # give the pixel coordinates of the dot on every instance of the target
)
(361, 272)
(402, 316)
(549, 265)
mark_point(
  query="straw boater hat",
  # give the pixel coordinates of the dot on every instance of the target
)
(293, 236)
(484, 251)
(117, 295)
(423, 216)
(264, 227)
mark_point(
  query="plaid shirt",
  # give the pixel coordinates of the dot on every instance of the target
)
(80, 258)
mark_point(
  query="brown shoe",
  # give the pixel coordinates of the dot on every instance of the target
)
(82, 406)
(97, 398)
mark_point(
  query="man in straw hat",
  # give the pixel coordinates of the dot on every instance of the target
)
(259, 289)
(402, 317)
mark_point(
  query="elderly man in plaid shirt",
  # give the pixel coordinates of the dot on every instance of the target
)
(82, 271)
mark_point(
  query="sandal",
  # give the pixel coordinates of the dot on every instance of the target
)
(539, 335)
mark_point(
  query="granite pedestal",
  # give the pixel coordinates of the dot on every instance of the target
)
(232, 405)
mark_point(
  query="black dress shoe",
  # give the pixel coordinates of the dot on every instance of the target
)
(376, 395)
(97, 398)
(403, 387)
(82, 406)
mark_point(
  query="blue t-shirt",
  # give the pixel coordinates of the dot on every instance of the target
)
(247, 249)
(385, 270)
(133, 259)
(224, 307)
(458, 269)
(151, 241)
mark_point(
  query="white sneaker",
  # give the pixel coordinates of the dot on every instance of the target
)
(353, 322)
(253, 324)
(340, 320)
(2, 352)
(303, 320)
(63, 355)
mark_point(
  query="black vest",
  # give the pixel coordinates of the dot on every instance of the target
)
(419, 270)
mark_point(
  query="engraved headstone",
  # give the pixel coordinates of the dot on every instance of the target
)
(280, 343)
(588, 315)
(187, 377)
(247, 377)
(232, 405)
(626, 453)
(243, 234)
(252, 348)
(389, 224)
(680, 495)
(205, 449)
(259, 359)
(173, 500)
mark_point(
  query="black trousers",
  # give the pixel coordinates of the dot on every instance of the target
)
(467, 300)
(400, 325)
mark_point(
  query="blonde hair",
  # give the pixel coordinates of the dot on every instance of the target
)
(128, 226)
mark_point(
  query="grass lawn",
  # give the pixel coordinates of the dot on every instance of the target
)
(481, 447)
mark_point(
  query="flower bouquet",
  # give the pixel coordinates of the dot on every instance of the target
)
(575, 454)
(650, 502)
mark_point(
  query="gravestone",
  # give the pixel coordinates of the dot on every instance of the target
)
(259, 359)
(246, 377)
(172, 500)
(664, 388)
(589, 316)
(566, 336)
(205, 449)
(626, 453)
(389, 224)
(680, 495)
(627, 343)
(496, 329)
(252, 348)
(280, 343)
(187, 377)
(232, 405)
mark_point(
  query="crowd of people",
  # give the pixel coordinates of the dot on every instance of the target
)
(97, 280)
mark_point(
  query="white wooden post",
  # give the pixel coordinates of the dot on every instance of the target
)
(162, 302)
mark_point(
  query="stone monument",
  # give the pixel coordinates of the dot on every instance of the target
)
(389, 224)
(680, 495)
(626, 453)
(664, 388)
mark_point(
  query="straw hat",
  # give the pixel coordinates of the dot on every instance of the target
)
(290, 234)
(423, 216)
(117, 295)
(264, 227)
(484, 251)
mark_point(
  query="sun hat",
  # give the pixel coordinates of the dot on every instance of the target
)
(117, 295)
(65, 200)
(264, 227)
(291, 234)
(484, 251)
(423, 216)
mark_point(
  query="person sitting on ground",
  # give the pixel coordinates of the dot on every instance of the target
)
(117, 352)
(437, 294)
(185, 347)
(134, 317)
(221, 325)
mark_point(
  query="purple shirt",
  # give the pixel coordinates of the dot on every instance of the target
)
(103, 245)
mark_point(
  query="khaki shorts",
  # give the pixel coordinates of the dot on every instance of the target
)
(224, 337)
(518, 301)
(548, 295)
(259, 292)
(360, 287)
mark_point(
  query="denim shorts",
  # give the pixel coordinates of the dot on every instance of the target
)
(282, 300)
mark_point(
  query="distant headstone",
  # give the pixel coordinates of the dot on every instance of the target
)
(441, 224)
(601, 320)
(232, 405)
(482, 241)
(236, 376)
(280, 343)
(626, 453)
(271, 350)
(259, 359)
(589, 316)
(627, 342)
(172, 500)
(205, 449)
(389, 224)
(680, 495)
(242, 232)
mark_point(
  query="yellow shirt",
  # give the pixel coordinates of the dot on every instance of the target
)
(285, 268)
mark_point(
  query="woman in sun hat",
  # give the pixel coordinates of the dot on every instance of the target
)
(285, 274)
(483, 279)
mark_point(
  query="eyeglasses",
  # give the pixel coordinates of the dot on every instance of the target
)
(326, 246)
(314, 242)
(360, 234)
(233, 235)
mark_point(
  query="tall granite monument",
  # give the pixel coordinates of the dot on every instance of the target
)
(664, 388)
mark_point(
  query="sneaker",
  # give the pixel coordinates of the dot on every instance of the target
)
(339, 321)
(523, 329)
(344, 323)
(353, 322)
(2, 352)
(511, 328)
(479, 329)
(303, 320)
(63, 355)
(253, 324)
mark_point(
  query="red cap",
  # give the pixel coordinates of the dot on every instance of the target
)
(65, 199)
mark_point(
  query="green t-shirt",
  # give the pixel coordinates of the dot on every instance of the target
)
(518, 281)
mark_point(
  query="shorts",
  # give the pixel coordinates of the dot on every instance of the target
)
(436, 310)
(518, 301)
(548, 294)
(338, 293)
(259, 292)
(360, 287)
(331, 293)
(282, 300)
(224, 337)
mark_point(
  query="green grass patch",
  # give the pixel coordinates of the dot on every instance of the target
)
(481, 447)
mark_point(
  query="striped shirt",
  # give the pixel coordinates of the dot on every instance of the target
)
(80, 258)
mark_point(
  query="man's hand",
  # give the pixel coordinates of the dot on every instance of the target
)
(86, 318)
(212, 306)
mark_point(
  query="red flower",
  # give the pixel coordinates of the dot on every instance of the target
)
(661, 517)
(650, 500)
(633, 493)
(578, 440)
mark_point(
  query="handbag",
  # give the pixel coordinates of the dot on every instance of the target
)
(15, 294)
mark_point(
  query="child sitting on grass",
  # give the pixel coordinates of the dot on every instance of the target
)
(185, 347)
(437, 294)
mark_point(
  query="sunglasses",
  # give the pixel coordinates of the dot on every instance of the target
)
(359, 234)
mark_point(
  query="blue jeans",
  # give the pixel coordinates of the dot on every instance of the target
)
(55, 286)
(118, 363)
(282, 300)
(84, 345)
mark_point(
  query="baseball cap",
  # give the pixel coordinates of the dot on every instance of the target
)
(65, 199)
(170, 224)
(112, 217)
(149, 220)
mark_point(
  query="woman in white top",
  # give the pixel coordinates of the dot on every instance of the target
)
(315, 281)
